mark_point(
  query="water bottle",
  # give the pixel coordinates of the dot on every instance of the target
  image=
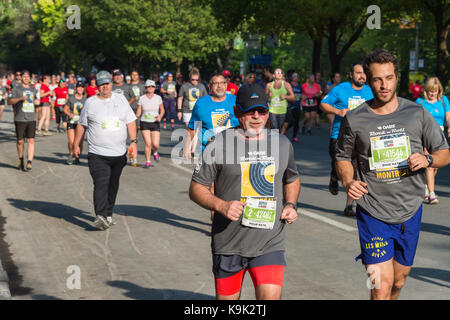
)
(133, 161)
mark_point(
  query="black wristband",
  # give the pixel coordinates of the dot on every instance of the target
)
(134, 140)
(290, 204)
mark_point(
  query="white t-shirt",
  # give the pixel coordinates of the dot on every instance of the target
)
(150, 107)
(106, 122)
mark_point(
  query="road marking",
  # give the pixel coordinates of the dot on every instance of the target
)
(329, 221)
(309, 214)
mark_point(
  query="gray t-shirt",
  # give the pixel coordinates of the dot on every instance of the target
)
(106, 122)
(240, 170)
(24, 110)
(75, 107)
(138, 91)
(71, 87)
(381, 145)
(124, 90)
(191, 94)
(169, 87)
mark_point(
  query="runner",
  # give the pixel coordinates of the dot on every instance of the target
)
(336, 80)
(91, 89)
(61, 97)
(107, 117)
(438, 106)
(45, 107)
(387, 136)
(138, 89)
(250, 78)
(122, 88)
(321, 84)
(242, 241)
(73, 110)
(342, 98)
(188, 95)
(3, 98)
(37, 109)
(416, 90)
(231, 87)
(294, 109)
(71, 85)
(169, 99)
(52, 88)
(23, 100)
(310, 94)
(280, 93)
(214, 112)
(151, 111)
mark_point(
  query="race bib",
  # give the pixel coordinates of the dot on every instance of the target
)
(61, 101)
(259, 213)
(310, 102)
(111, 124)
(75, 119)
(353, 103)
(137, 92)
(276, 102)
(150, 116)
(28, 105)
(389, 151)
(170, 88)
(71, 91)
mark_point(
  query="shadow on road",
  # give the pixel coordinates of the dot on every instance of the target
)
(8, 166)
(433, 276)
(56, 210)
(435, 228)
(162, 216)
(139, 293)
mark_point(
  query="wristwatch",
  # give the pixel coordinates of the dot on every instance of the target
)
(134, 140)
(290, 204)
(429, 159)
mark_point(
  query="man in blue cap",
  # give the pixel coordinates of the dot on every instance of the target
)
(256, 188)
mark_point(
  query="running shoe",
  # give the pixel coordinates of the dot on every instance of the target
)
(39, 133)
(101, 223)
(333, 187)
(426, 199)
(164, 125)
(433, 198)
(156, 157)
(295, 139)
(76, 161)
(309, 132)
(47, 133)
(60, 130)
(111, 221)
(147, 165)
(29, 166)
(21, 165)
(349, 212)
(303, 129)
(70, 160)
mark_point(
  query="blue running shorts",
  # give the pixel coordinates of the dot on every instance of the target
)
(381, 241)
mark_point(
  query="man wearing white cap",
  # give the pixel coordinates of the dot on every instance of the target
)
(107, 117)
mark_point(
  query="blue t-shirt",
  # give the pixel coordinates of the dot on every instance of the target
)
(214, 116)
(297, 90)
(343, 96)
(437, 109)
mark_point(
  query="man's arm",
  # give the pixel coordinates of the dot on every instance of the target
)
(79, 135)
(355, 188)
(203, 196)
(291, 192)
(441, 158)
(447, 119)
(131, 126)
(328, 108)
(290, 96)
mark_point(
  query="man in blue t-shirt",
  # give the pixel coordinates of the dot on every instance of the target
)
(213, 112)
(342, 98)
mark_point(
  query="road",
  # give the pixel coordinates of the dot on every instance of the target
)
(160, 247)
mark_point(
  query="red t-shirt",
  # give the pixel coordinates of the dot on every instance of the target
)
(232, 88)
(46, 89)
(61, 96)
(91, 91)
(416, 90)
(310, 92)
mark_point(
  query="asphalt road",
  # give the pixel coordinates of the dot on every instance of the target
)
(160, 247)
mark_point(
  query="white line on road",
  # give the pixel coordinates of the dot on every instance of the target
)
(326, 220)
(309, 214)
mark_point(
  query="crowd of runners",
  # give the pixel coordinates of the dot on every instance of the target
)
(382, 148)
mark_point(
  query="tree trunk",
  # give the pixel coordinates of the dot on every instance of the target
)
(317, 49)
(442, 51)
(179, 62)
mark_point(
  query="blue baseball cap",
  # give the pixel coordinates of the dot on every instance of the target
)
(251, 96)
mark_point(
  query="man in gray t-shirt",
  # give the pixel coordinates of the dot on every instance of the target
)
(23, 98)
(386, 136)
(256, 188)
(189, 93)
(137, 87)
(122, 88)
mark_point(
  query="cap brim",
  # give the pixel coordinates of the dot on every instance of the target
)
(103, 81)
(252, 107)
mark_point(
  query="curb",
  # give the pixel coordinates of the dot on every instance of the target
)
(5, 294)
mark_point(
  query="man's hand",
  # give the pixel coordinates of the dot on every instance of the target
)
(417, 161)
(134, 153)
(232, 209)
(356, 189)
(341, 113)
(289, 214)
(180, 115)
(76, 151)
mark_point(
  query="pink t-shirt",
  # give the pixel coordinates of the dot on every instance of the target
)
(310, 92)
